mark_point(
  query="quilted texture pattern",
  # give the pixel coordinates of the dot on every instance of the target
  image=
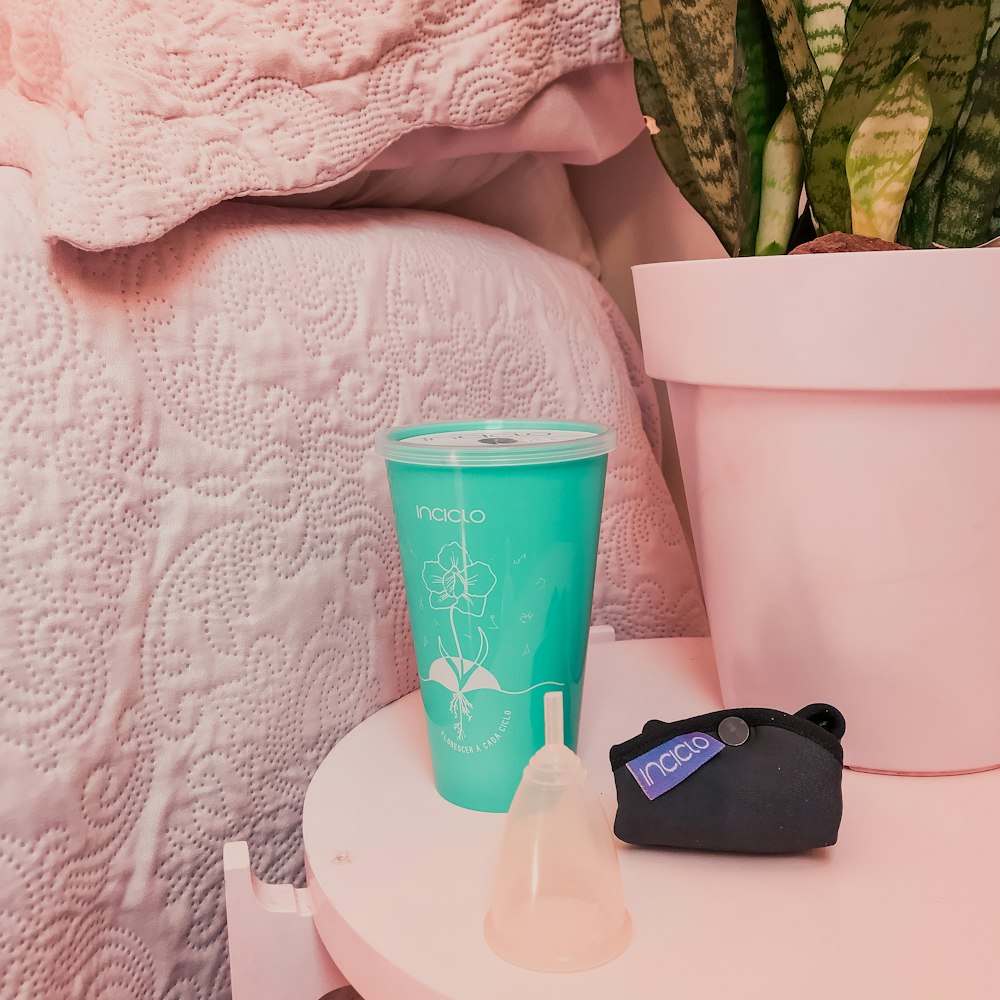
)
(135, 116)
(201, 591)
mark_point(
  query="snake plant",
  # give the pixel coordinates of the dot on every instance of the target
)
(884, 114)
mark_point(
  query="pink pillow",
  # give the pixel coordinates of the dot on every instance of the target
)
(132, 117)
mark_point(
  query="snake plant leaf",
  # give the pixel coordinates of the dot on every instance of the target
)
(668, 142)
(971, 185)
(919, 222)
(856, 14)
(947, 35)
(825, 25)
(633, 36)
(991, 29)
(916, 226)
(802, 76)
(758, 99)
(665, 135)
(693, 47)
(883, 154)
(782, 187)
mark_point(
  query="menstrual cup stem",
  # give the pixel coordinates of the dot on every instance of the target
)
(552, 705)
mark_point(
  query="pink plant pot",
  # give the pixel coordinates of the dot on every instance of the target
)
(838, 423)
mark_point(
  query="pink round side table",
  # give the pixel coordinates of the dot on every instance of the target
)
(906, 905)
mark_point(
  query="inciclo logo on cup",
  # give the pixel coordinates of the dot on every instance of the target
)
(452, 515)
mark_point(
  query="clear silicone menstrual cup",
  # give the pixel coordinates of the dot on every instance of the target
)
(557, 896)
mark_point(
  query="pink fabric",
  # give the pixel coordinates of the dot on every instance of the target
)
(200, 588)
(584, 118)
(134, 117)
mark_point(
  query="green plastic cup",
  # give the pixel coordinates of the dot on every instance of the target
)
(498, 523)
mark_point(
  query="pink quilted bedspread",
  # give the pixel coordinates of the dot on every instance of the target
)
(132, 117)
(200, 589)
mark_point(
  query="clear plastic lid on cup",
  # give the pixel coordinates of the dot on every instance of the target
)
(495, 443)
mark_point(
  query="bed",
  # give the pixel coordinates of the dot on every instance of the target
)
(200, 591)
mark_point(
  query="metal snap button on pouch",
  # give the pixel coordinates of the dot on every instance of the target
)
(733, 731)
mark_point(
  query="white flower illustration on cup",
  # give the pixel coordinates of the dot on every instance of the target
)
(459, 584)
(456, 582)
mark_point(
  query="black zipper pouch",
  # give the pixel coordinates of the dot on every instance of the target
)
(750, 780)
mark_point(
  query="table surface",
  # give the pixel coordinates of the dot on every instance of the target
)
(907, 904)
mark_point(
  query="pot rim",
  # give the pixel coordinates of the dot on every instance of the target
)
(905, 321)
